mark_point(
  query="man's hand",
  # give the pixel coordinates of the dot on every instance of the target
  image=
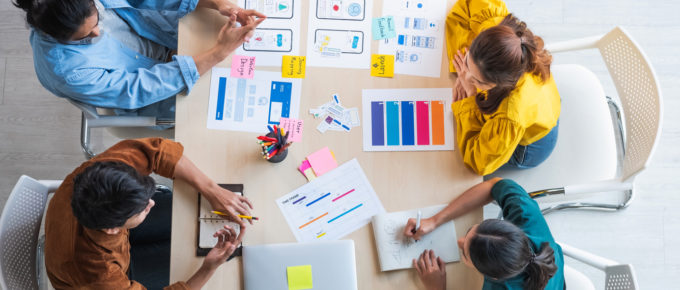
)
(227, 241)
(459, 62)
(431, 270)
(230, 203)
(229, 9)
(426, 226)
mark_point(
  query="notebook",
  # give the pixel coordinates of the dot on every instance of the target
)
(332, 263)
(209, 223)
(396, 251)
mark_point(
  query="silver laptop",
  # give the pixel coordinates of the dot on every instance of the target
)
(333, 265)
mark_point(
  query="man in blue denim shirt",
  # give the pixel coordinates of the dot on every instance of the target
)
(130, 64)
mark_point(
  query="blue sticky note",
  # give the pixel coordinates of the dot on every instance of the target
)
(383, 28)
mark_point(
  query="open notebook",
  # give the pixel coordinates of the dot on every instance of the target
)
(396, 251)
(209, 223)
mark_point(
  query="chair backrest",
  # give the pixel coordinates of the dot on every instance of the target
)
(640, 95)
(19, 229)
(620, 277)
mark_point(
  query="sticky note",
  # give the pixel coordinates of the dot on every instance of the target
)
(300, 277)
(382, 65)
(322, 161)
(293, 66)
(304, 166)
(293, 128)
(309, 174)
(383, 28)
(242, 66)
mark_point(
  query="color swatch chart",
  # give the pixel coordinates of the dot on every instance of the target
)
(407, 120)
(331, 206)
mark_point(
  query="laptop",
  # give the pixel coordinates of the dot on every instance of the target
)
(333, 265)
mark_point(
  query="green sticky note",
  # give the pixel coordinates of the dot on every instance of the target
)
(300, 277)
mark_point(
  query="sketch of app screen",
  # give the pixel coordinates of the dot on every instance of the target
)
(348, 41)
(274, 9)
(270, 39)
(341, 9)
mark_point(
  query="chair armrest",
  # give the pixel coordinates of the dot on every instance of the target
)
(51, 185)
(122, 121)
(586, 257)
(574, 44)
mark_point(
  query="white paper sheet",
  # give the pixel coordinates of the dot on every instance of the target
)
(339, 33)
(278, 35)
(331, 206)
(396, 251)
(419, 44)
(251, 104)
(407, 120)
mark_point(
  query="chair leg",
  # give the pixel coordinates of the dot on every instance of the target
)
(85, 138)
(587, 205)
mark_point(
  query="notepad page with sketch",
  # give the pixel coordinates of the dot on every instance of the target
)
(209, 223)
(396, 251)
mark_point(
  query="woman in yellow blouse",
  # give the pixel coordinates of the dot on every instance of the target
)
(506, 104)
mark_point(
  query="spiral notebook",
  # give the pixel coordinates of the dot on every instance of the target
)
(209, 223)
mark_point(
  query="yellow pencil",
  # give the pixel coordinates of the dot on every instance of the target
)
(241, 216)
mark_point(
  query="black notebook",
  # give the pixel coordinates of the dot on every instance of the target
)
(209, 223)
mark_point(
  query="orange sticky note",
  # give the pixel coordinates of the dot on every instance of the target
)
(382, 65)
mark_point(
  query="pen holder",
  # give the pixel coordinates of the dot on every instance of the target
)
(279, 156)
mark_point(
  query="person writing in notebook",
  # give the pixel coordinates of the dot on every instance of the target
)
(518, 252)
(108, 224)
(122, 54)
(505, 103)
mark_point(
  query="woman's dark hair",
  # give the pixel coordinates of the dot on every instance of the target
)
(501, 250)
(57, 18)
(503, 54)
(107, 194)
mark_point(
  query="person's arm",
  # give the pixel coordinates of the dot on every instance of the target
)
(227, 8)
(226, 245)
(473, 198)
(220, 199)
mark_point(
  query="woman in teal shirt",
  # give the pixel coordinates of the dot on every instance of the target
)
(518, 252)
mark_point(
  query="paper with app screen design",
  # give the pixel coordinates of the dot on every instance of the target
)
(278, 35)
(249, 105)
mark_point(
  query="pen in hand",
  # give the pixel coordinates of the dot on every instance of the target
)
(415, 230)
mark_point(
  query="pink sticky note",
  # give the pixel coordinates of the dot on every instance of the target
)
(304, 166)
(242, 66)
(322, 161)
(293, 128)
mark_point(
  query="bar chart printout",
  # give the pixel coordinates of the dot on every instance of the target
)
(331, 206)
(407, 120)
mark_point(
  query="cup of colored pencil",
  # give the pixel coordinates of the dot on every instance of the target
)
(274, 144)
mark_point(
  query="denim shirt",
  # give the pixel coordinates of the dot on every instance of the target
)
(105, 73)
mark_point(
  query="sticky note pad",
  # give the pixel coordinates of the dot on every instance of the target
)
(293, 66)
(382, 65)
(293, 128)
(309, 174)
(322, 161)
(242, 66)
(383, 28)
(300, 277)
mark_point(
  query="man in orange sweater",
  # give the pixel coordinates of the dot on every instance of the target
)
(101, 228)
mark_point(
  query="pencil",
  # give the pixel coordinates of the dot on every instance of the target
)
(248, 217)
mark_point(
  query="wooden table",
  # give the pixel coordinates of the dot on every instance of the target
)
(402, 180)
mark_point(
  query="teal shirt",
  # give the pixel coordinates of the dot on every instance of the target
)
(521, 210)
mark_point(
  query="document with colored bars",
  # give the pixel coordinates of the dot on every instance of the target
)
(249, 105)
(407, 120)
(332, 205)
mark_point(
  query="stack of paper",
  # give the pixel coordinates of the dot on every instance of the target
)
(318, 163)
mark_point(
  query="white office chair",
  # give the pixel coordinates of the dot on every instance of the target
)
(123, 127)
(617, 276)
(21, 256)
(595, 153)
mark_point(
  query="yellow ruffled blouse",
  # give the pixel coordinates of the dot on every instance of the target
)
(487, 141)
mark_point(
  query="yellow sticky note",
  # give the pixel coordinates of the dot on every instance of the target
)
(293, 66)
(300, 277)
(382, 65)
